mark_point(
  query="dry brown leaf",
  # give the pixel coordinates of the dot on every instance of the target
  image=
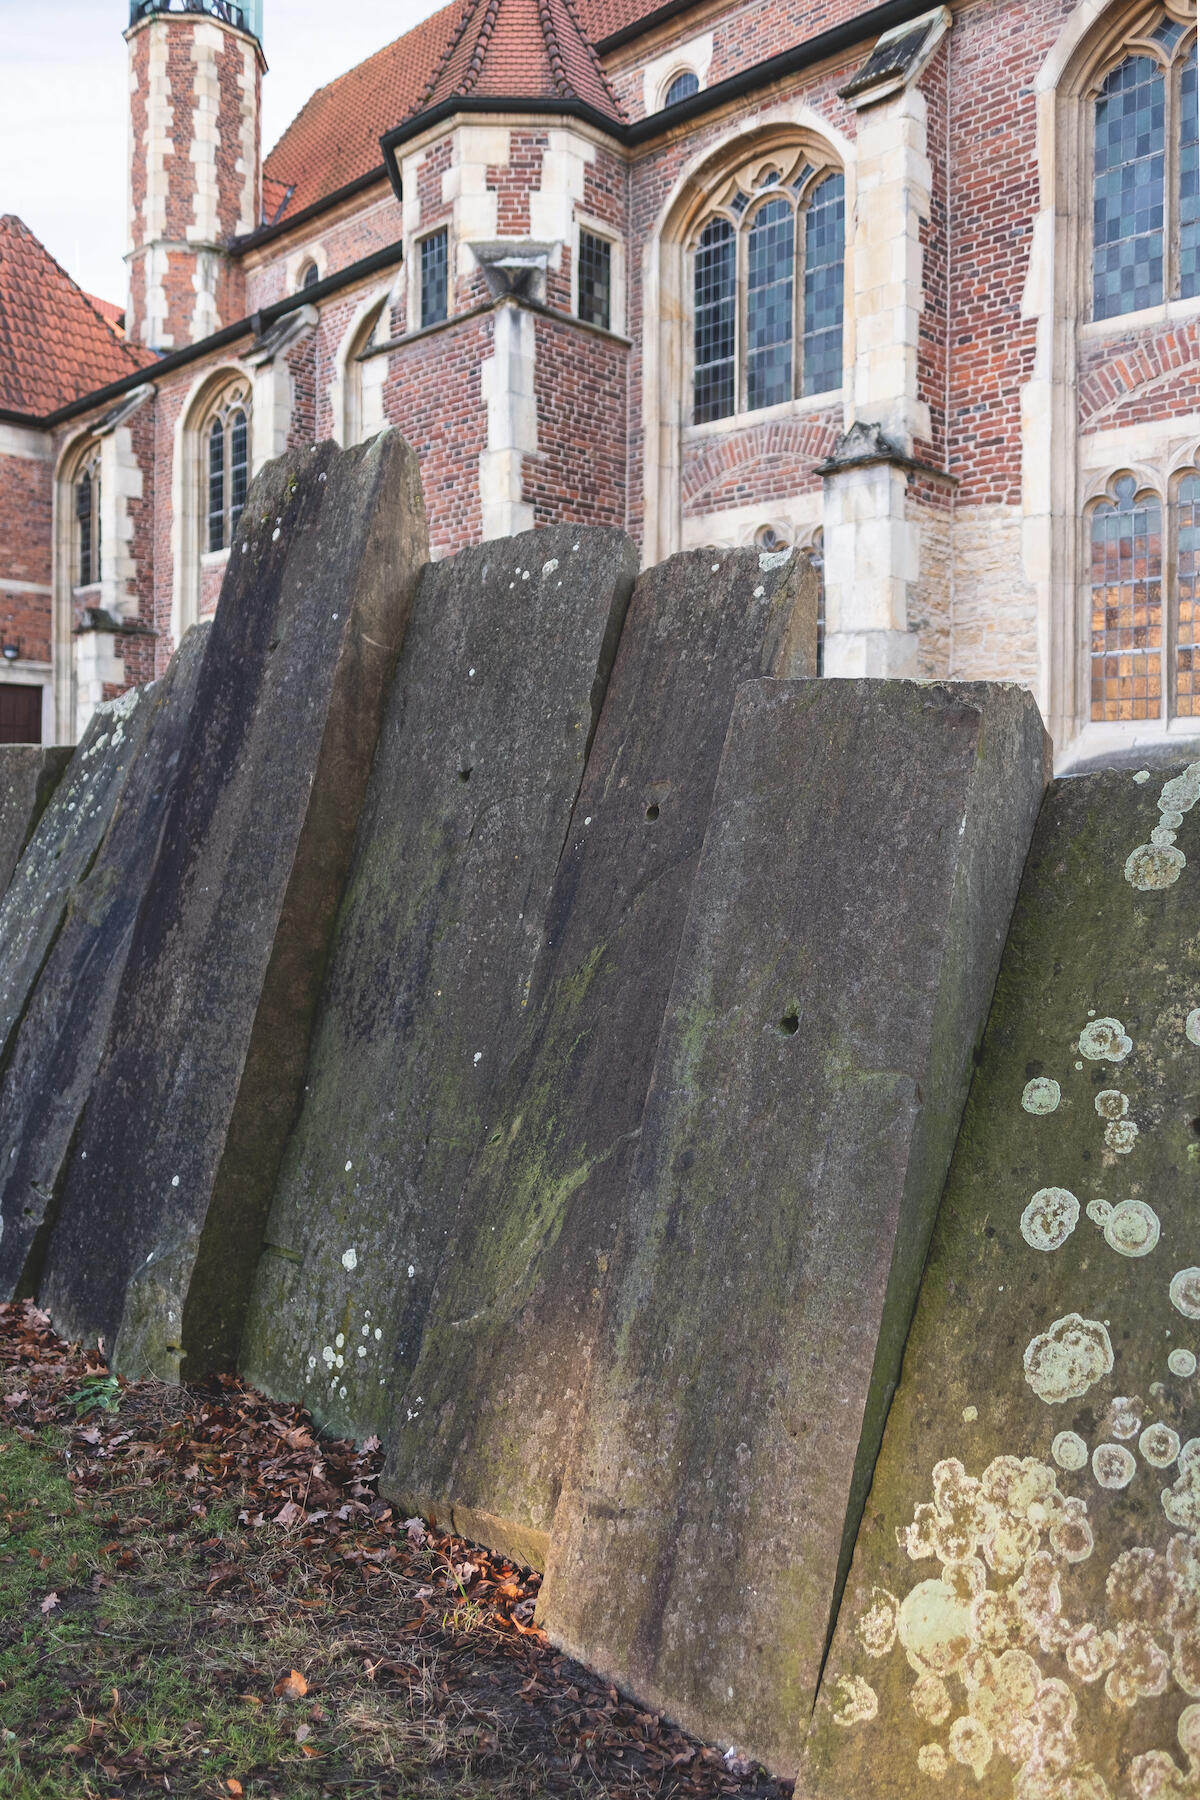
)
(291, 1686)
(49, 1603)
(233, 1784)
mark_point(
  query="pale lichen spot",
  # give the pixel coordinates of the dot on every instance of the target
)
(1153, 866)
(1050, 1218)
(759, 591)
(1099, 1211)
(362, 1349)
(1104, 1040)
(548, 568)
(1124, 1416)
(350, 1259)
(772, 559)
(1131, 1229)
(1111, 1103)
(1191, 1026)
(934, 1628)
(970, 1414)
(933, 1761)
(1068, 1358)
(1142, 775)
(1121, 1135)
(930, 1700)
(327, 1355)
(971, 1744)
(340, 1340)
(349, 1166)
(1183, 1363)
(854, 1701)
(1113, 1466)
(1159, 1445)
(1181, 1503)
(1041, 1095)
(1185, 1292)
(1161, 836)
(877, 1627)
(1069, 1451)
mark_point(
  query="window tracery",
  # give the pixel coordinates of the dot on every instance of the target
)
(1146, 172)
(1144, 547)
(226, 437)
(767, 287)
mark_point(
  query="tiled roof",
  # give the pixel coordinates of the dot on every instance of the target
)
(110, 312)
(54, 344)
(506, 49)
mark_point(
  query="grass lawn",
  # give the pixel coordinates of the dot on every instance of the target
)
(200, 1597)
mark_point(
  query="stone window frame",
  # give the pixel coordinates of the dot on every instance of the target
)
(599, 228)
(360, 371)
(233, 400)
(210, 391)
(783, 125)
(416, 294)
(680, 70)
(1161, 480)
(87, 468)
(1133, 37)
(750, 181)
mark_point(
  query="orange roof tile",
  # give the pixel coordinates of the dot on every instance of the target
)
(503, 49)
(54, 344)
(110, 312)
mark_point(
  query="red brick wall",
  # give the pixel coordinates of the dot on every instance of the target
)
(378, 223)
(433, 396)
(580, 384)
(302, 368)
(26, 498)
(762, 462)
(1135, 376)
(934, 325)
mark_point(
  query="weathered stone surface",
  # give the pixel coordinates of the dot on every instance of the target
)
(507, 1345)
(480, 759)
(65, 1026)
(61, 850)
(165, 1196)
(1022, 1619)
(29, 774)
(858, 873)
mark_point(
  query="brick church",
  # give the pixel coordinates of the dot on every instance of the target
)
(917, 290)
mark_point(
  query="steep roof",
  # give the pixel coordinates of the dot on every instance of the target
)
(54, 344)
(489, 49)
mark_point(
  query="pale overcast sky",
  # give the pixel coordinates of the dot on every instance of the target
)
(63, 108)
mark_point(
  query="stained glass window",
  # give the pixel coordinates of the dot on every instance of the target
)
(682, 88)
(1127, 623)
(435, 268)
(768, 293)
(84, 503)
(216, 485)
(1128, 200)
(239, 468)
(1189, 181)
(824, 273)
(595, 280)
(1187, 583)
(715, 293)
(770, 324)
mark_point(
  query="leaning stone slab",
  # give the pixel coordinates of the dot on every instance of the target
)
(858, 873)
(61, 851)
(29, 774)
(1022, 1617)
(165, 1197)
(508, 1343)
(65, 1027)
(475, 781)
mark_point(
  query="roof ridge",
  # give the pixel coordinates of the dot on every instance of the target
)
(558, 68)
(443, 61)
(593, 58)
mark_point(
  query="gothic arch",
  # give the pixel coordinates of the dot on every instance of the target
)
(788, 125)
(356, 391)
(187, 471)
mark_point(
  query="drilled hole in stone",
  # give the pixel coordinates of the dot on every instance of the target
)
(652, 813)
(464, 774)
(1196, 1126)
(789, 1025)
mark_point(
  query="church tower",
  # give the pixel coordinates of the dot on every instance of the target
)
(195, 84)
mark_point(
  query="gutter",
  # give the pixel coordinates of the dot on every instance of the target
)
(277, 226)
(252, 327)
(825, 45)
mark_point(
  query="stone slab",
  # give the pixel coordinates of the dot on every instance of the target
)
(166, 1193)
(1022, 1617)
(857, 878)
(492, 712)
(29, 774)
(61, 850)
(65, 1027)
(507, 1345)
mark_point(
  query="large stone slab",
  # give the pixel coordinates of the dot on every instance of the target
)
(61, 850)
(1022, 1618)
(858, 874)
(482, 1429)
(65, 1026)
(29, 774)
(165, 1197)
(479, 764)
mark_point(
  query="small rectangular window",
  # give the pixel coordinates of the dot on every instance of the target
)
(435, 269)
(595, 280)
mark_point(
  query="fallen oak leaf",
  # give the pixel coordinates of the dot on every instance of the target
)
(49, 1603)
(291, 1686)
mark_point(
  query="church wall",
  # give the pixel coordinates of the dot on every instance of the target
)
(432, 395)
(373, 223)
(26, 499)
(578, 469)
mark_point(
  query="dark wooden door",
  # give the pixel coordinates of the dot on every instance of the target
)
(20, 714)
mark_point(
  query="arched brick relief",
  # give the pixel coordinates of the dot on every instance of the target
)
(1126, 378)
(764, 462)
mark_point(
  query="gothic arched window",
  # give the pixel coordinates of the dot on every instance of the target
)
(1145, 593)
(86, 492)
(1146, 175)
(226, 440)
(767, 287)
